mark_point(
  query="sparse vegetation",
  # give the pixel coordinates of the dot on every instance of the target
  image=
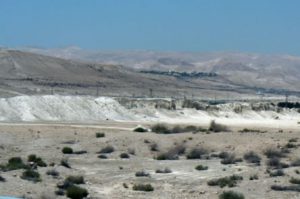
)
(102, 156)
(52, 173)
(276, 173)
(107, 149)
(252, 157)
(295, 180)
(140, 129)
(37, 160)
(201, 167)
(100, 135)
(276, 164)
(163, 129)
(230, 159)
(286, 188)
(166, 170)
(253, 177)
(230, 181)
(31, 175)
(65, 163)
(153, 147)
(142, 174)
(197, 153)
(75, 180)
(274, 153)
(215, 127)
(67, 150)
(2, 179)
(142, 187)
(231, 195)
(172, 154)
(124, 156)
(14, 163)
(75, 192)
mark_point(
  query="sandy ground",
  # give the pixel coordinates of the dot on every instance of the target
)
(105, 177)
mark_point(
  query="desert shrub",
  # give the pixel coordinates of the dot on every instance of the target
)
(166, 170)
(160, 128)
(37, 160)
(65, 163)
(107, 149)
(224, 155)
(14, 163)
(286, 188)
(231, 195)
(142, 174)
(75, 192)
(172, 154)
(230, 181)
(201, 167)
(142, 187)
(290, 145)
(215, 127)
(253, 177)
(276, 164)
(293, 140)
(124, 155)
(197, 153)
(252, 157)
(295, 163)
(246, 130)
(274, 153)
(102, 156)
(67, 150)
(31, 175)
(52, 173)
(231, 159)
(295, 180)
(80, 152)
(140, 129)
(2, 179)
(153, 147)
(276, 173)
(100, 135)
(75, 179)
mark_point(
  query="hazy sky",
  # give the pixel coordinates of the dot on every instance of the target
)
(268, 26)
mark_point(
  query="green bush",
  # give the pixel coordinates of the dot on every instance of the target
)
(14, 163)
(140, 129)
(124, 156)
(295, 180)
(75, 192)
(100, 135)
(230, 181)
(201, 167)
(31, 175)
(39, 162)
(231, 195)
(142, 174)
(142, 187)
(67, 150)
